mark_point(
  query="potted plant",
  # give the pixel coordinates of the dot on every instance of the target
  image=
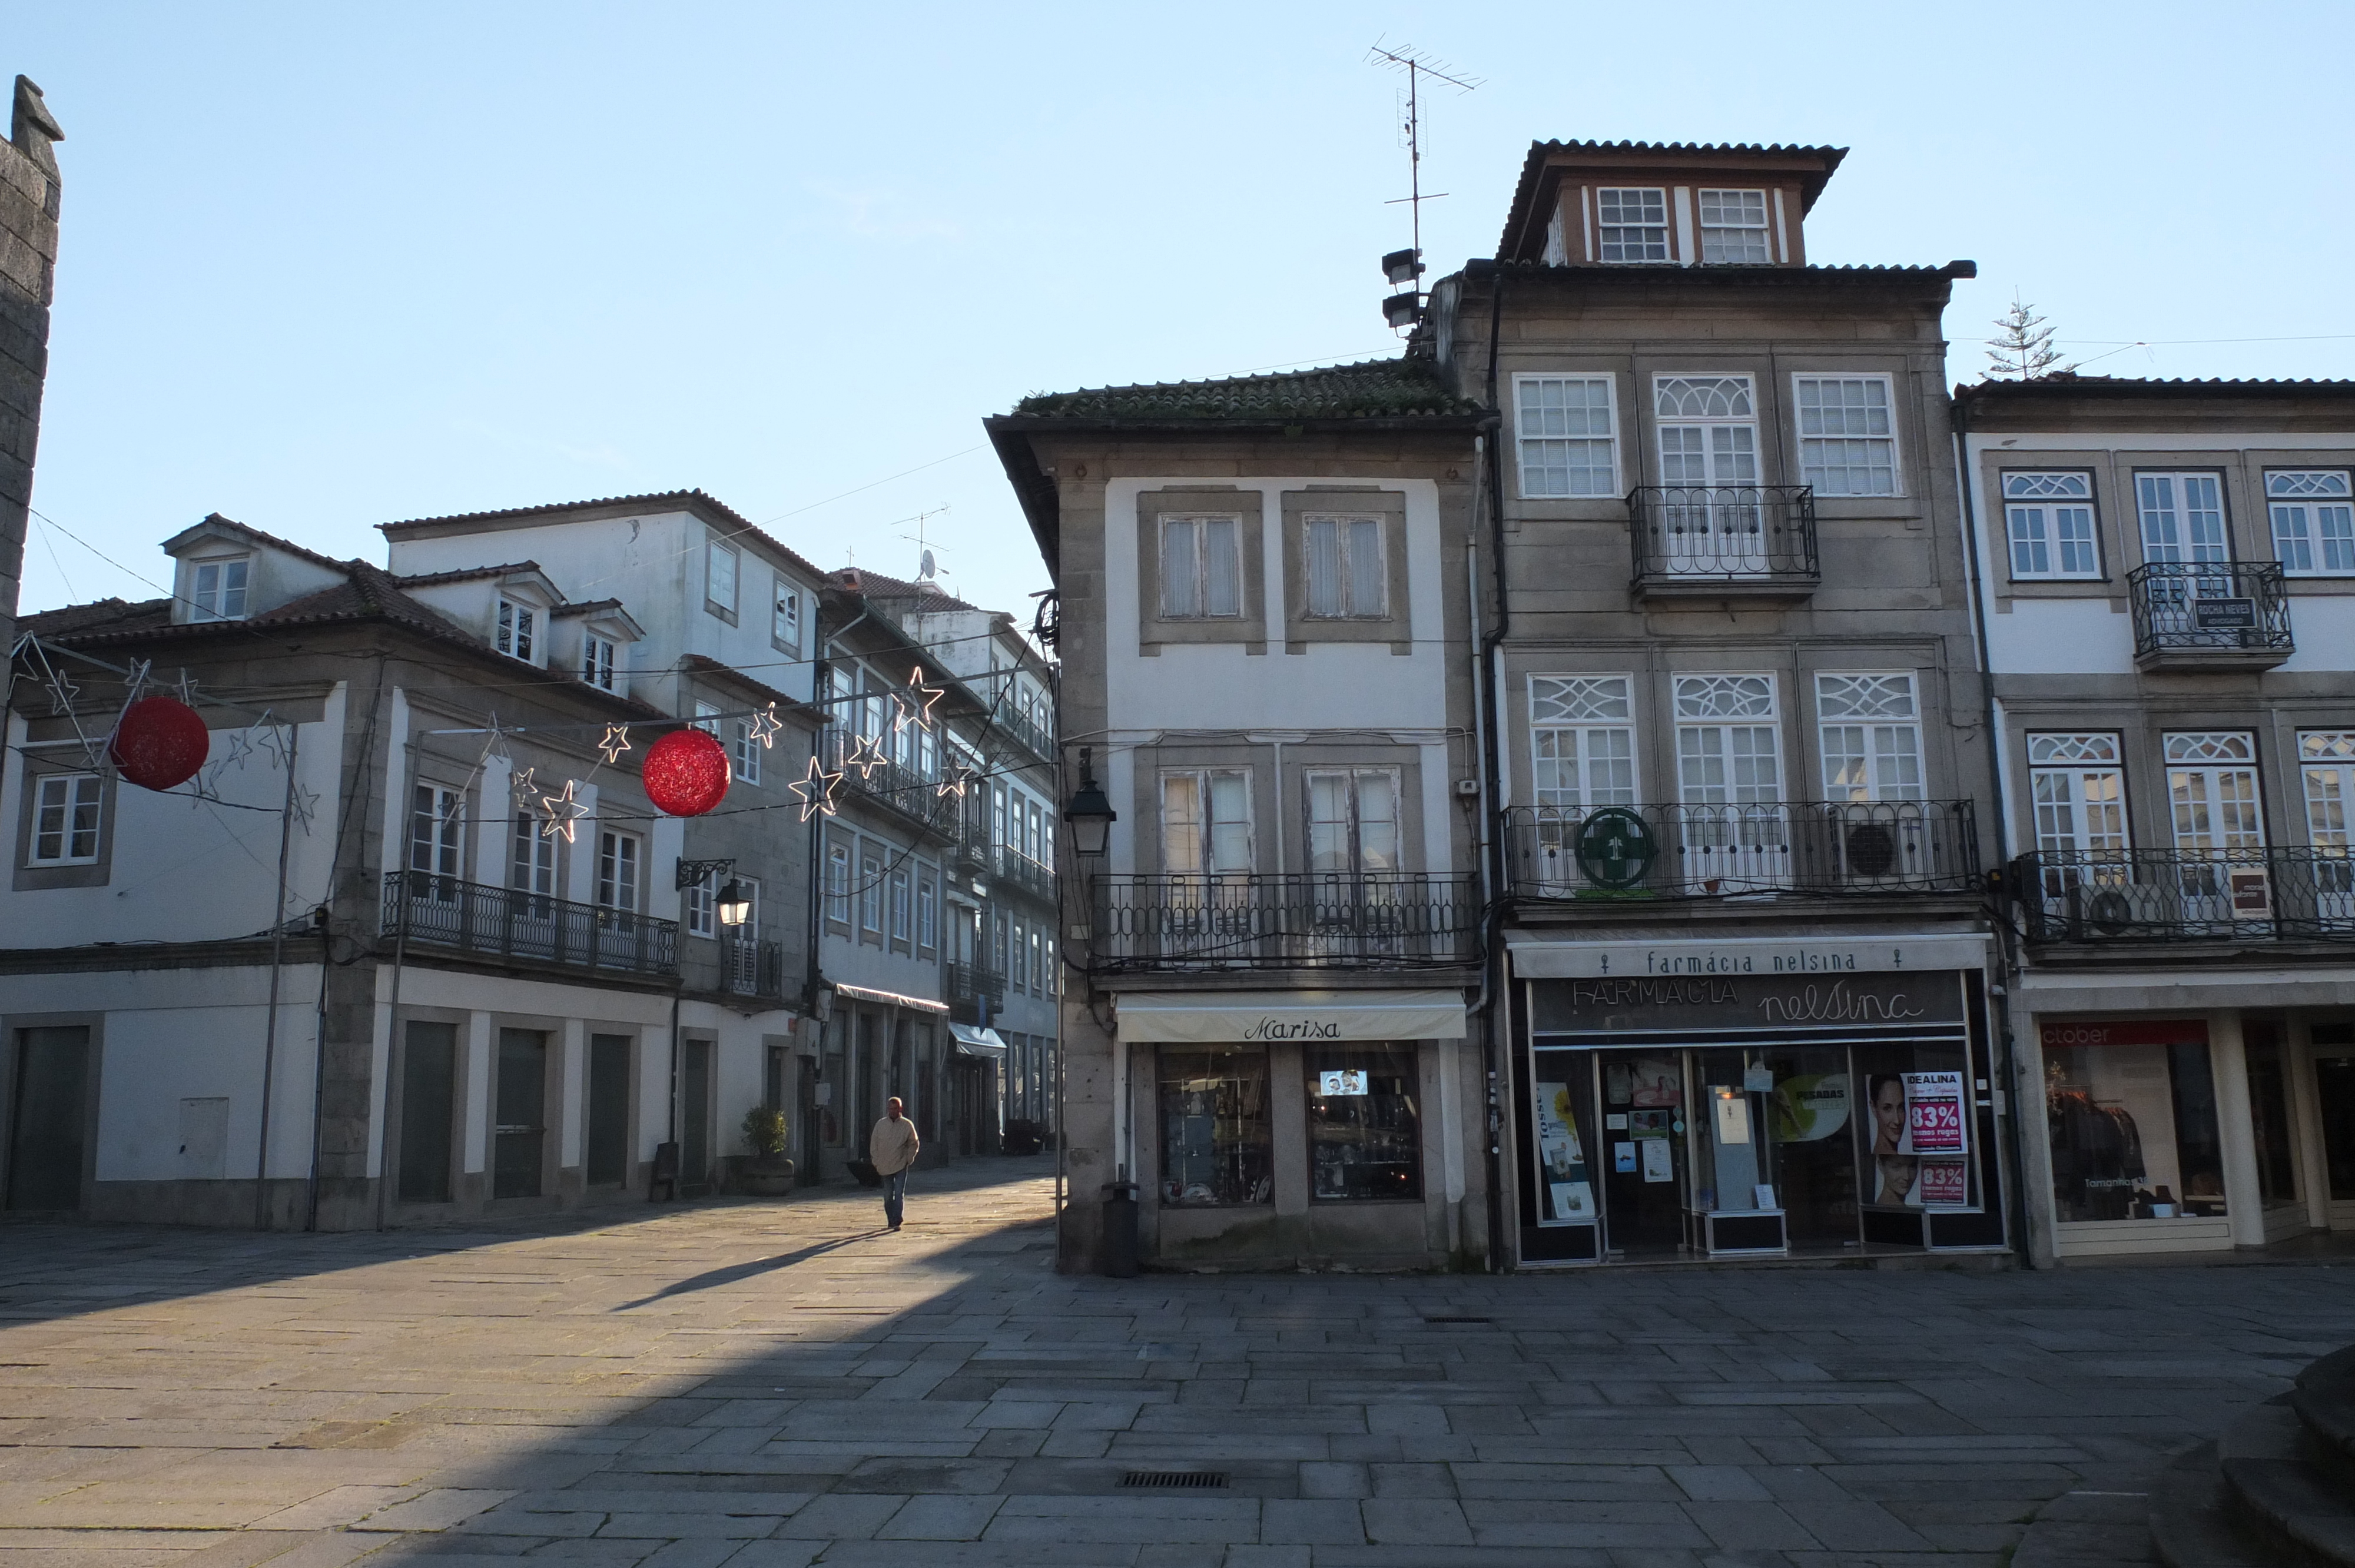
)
(768, 1173)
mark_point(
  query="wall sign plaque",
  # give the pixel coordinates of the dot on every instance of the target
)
(1616, 848)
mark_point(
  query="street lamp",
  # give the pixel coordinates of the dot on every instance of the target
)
(735, 906)
(1089, 811)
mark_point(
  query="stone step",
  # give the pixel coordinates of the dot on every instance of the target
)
(2190, 1526)
(2325, 1402)
(2277, 1495)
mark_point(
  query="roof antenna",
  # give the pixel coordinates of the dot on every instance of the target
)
(1404, 310)
(924, 562)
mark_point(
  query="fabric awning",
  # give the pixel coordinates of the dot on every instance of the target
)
(888, 998)
(981, 1043)
(1225, 1017)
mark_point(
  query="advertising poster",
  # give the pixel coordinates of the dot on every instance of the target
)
(1810, 1106)
(1659, 1082)
(1569, 1195)
(1920, 1138)
(1934, 1118)
(1659, 1164)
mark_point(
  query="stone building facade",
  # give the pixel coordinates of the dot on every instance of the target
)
(29, 206)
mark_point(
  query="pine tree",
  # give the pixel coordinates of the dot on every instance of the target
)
(2022, 348)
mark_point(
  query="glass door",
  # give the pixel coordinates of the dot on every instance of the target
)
(1643, 1165)
(1808, 1118)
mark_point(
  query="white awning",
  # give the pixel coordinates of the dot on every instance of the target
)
(888, 998)
(1210, 1018)
(971, 1042)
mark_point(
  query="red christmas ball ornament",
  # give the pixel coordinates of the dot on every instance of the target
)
(160, 742)
(686, 772)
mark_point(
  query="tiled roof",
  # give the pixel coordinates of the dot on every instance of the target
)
(1720, 272)
(273, 540)
(2066, 383)
(1374, 389)
(1523, 226)
(930, 597)
(465, 574)
(681, 500)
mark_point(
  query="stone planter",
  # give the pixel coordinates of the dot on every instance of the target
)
(766, 1176)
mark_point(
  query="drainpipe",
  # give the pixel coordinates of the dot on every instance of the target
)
(277, 959)
(2006, 961)
(1493, 915)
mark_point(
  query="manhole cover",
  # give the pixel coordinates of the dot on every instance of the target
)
(1193, 1480)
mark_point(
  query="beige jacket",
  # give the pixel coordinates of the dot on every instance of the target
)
(892, 1145)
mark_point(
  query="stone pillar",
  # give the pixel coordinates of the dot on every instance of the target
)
(2306, 1119)
(29, 256)
(2229, 1065)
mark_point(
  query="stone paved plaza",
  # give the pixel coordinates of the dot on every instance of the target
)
(770, 1386)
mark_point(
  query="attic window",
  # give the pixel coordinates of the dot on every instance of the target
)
(216, 588)
(1633, 225)
(1733, 226)
(516, 622)
(597, 662)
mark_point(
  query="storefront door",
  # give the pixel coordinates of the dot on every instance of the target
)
(1642, 1139)
(2334, 1093)
(1811, 1130)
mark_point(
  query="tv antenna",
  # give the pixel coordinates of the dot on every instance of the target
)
(1404, 310)
(924, 561)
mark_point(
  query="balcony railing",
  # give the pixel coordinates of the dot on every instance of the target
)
(445, 912)
(1796, 847)
(1034, 738)
(1295, 921)
(2253, 894)
(1746, 537)
(749, 968)
(974, 994)
(1019, 869)
(888, 783)
(2192, 613)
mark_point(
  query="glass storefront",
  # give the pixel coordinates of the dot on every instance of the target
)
(2334, 1094)
(1216, 1146)
(1365, 1139)
(2130, 1109)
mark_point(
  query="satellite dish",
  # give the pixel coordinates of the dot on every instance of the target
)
(925, 567)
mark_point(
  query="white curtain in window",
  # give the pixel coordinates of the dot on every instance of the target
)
(1222, 592)
(1325, 567)
(1180, 591)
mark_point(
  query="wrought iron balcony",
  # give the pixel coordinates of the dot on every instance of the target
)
(887, 783)
(2256, 893)
(1795, 847)
(1034, 738)
(1751, 539)
(974, 994)
(1019, 870)
(2207, 614)
(752, 968)
(1314, 920)
(507, 923)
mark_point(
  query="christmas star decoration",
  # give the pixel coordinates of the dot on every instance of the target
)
(62, 690)
(562, 812)
(763, 726)
(135, 680)
(866, 757)
(929, 694)
(816, 790)
(519, 787)
(273, 741)
(301, 804)
(954, 780)
(185, 686)
(616, 741)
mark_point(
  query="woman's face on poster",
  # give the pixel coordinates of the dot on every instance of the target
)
(1897, 1174)
(1888, 1117)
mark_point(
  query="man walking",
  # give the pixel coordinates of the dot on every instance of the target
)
(892, 1149)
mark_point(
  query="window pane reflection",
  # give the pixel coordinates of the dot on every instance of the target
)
(1214, 1127)
(1364, 1135)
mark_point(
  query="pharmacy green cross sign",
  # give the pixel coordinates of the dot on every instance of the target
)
(1616, 847)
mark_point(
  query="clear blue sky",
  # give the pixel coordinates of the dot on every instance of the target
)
(330, 265)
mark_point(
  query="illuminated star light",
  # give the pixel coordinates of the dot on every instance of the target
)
(561, 810)
(763, 726)
(954, 782)
(519, 787)
(866, 757)
(616, 741)
(930, 694)
(816, 790)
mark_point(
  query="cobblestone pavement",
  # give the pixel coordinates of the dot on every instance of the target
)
(771, 1385)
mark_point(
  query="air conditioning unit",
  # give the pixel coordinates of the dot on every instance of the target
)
(2109, 913)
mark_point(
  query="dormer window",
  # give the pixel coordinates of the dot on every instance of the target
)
(785, 627)
(1733, 226)
(216, 588)
(1631, 225)
(517, 623)
(597, 661)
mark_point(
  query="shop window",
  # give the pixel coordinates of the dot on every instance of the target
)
(1215, 1141)
(2131, 1112)
(1365, 1137)
(2334, 1095)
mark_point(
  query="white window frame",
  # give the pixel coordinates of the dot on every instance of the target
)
(2326, 762)
(1716, 234)
(1715, 456)
(785, 615)
(225, 601)
(2203, 532)
(701, 906)
(1691, 693)
(1648, 224)
(927, 913)
(837, 883)
(1196, 591)
(1211, 853)
(620, 871)
(1866, 448)
(901, 908)
(437, 839)
(1582, 726)
(870, 896)
(1542, 432)
(745, 751)
(723, 568)
(1351, 533)
(2310, 513)
(2077, 792)
(706, 719)
(1868, 722)
(597, 658)
(517, 634)
(2041, 520)
(76, 802)
(531, 858)
(2214, 771)
(1360, 860)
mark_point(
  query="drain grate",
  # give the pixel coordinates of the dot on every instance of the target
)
(1459, 1319)
(1193, 1480)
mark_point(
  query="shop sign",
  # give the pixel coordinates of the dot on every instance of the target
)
(2127, 1032)
(1751, 956)
(1616, 848)
(1219, 1018)
(2224, 614)
(1863, 1001)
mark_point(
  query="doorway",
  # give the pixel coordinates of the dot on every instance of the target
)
(608, 1110)
(694, 1119)
(1643, 1173)
(522, 1101)
(429, 1079)
(1811, 1130)
(46, 1144)
(2334, 1095)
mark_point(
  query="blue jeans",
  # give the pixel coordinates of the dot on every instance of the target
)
(895, 1196)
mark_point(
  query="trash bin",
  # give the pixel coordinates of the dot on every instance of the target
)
(1118, 1257)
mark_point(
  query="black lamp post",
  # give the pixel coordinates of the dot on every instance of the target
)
(1089, 811)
